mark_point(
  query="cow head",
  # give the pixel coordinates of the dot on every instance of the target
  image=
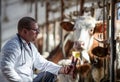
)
(83, 30)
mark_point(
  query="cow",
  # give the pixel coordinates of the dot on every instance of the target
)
(117, 38)
(82, 37)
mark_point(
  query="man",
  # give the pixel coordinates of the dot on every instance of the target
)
(20, 57)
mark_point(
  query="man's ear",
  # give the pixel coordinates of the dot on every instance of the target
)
(24, 31)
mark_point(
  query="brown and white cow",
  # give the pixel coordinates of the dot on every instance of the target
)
(83, 37)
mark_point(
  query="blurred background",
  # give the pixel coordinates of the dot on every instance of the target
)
(48, 13)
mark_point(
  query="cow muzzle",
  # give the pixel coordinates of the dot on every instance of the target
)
(78, 45)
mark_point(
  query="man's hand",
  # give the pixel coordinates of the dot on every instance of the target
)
(69, 69)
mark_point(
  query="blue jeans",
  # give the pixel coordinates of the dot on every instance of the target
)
(45, 77)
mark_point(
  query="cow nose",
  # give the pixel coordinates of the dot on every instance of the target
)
(82, 43)
(78, 45)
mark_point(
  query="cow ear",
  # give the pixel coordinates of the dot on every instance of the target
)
(100, 27)
(67, 26)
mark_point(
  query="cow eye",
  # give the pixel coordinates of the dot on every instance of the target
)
(91, 31)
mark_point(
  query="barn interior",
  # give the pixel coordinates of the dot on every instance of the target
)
(50, 41)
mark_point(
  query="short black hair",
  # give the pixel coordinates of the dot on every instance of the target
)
(25, 22)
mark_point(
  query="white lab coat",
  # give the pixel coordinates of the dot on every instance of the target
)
(18, 61)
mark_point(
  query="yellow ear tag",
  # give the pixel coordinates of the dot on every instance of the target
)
(76, 54)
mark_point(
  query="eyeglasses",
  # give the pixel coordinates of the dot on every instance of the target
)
(36, 30)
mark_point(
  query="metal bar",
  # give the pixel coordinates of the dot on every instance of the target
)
(112, 42)
(108, 19)
(0, 29)
(108, 31)
(54, 32)
(47, 24)
(36, 9)
(104, 16)
(81, 7)
(103, 30)
(62, 17)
